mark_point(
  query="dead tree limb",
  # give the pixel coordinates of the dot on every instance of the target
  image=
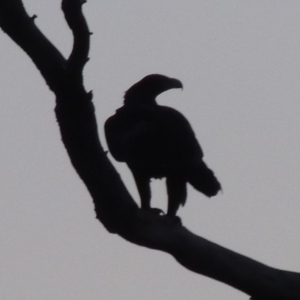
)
(114, 207)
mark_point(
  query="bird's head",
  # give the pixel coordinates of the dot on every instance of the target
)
(148, 88)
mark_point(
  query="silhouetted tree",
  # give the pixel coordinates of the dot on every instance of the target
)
(113, 205)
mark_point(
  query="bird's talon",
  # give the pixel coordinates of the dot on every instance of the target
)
(155, 211)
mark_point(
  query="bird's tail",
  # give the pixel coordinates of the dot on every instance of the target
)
(204, 180)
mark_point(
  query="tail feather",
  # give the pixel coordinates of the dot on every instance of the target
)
(204, 180)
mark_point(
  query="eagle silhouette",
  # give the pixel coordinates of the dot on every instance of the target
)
(157, 141)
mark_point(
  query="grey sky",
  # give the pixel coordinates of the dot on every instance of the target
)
(239, 62)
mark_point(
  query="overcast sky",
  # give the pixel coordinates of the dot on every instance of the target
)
(239, 61)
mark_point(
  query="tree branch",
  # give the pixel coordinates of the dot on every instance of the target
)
(114, 207)
(21, 28)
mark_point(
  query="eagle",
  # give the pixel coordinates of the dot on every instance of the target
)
(157, 141)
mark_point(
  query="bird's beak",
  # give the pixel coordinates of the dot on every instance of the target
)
(177, 84)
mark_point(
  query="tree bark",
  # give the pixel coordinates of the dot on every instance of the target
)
(114, 207)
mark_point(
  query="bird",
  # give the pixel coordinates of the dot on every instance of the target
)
(157, 141)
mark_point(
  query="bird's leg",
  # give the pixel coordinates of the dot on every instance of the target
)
(177, 193)
(143, 186)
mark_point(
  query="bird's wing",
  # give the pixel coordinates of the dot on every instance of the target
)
(176, 134)
(127, 130)
(159, 135)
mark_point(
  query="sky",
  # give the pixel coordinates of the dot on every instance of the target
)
(239, 62)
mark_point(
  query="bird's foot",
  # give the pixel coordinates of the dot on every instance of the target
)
(173, 219)
(155, 211)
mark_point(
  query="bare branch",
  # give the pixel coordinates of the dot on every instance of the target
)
(78, 25)
(21, 28)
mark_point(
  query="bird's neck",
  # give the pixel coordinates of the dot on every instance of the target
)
(144, 101)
